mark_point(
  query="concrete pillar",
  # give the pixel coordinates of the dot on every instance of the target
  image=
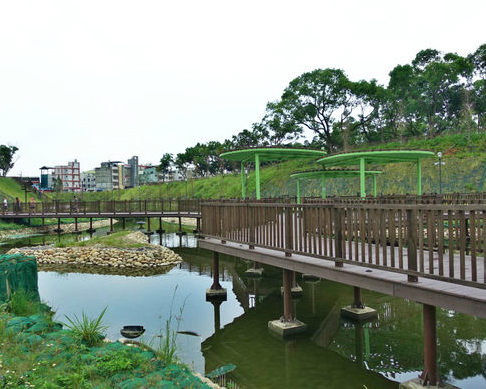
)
(358, 311)
(287, 324)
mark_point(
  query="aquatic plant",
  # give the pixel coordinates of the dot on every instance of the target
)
(89, 331)
(164, 345)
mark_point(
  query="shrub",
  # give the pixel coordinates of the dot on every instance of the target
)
(89, 331)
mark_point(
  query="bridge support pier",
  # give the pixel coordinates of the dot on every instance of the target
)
(58, 229)
(358, 311)
(287, 324)
(123, 223)
(76, 230)
(296, 290)
(91, 229)
(149, 231)
(180, 232)
(430, 376)
(216, 292)
(198, 226)
(111, 227)
(160, 230)
(254, 271)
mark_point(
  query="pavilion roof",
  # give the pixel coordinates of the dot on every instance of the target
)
(332, 173)
(267, 154)
(374, 157)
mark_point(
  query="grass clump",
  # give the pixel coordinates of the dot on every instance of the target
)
(164, 345)
(88, 331)
(23, 303)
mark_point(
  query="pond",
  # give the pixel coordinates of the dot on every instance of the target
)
(333, 353)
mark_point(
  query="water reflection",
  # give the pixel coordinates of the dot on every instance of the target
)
(333, 353)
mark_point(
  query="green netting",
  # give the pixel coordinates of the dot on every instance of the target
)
(117, 364)
(17, 271)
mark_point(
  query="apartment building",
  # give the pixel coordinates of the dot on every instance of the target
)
(88, 181)
(107, 176)
(70, 176)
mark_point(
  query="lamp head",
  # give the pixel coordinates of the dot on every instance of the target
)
(439, 154)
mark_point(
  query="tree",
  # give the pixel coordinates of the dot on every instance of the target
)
(57, 185)
(314, 101)
(165, 164)
(6, 158)
(439, 88)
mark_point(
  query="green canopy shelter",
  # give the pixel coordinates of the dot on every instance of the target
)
(331, 173)
(266, 154)
(361, 158)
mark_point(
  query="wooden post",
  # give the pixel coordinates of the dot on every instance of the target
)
(288, 232)
(430, 374)
(216, 285)
(412, 242)
(111, 225)
(287, 295)
(339, 236)
(357, 303)
(75, 224)
(123, 222)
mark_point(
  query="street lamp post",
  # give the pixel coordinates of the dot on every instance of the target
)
(440, 163)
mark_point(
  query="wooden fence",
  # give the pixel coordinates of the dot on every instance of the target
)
(435, 240)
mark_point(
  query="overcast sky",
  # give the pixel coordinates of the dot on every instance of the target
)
(106, 80)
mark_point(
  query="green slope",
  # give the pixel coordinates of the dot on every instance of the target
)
(464, 171)
(11, 189)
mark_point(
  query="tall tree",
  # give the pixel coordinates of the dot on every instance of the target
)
(314, 101)
(165, 164)
(6, 158)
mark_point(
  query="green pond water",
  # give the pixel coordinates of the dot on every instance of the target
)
(333, 353)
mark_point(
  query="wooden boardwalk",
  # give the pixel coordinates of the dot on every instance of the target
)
(460, 298)
(433, 254)
(188, 208)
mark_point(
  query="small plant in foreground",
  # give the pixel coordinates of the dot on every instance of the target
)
(89, 331)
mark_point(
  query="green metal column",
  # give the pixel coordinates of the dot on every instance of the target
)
(298, 191)
(257, 176)
(362, 181)
(374, 186)
(324, 187)
(243, 180)
(419, 177)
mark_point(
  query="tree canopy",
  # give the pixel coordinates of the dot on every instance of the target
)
(436, 93)
(6, 158)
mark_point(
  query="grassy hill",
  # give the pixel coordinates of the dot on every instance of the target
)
(11, 189)
(464, 171)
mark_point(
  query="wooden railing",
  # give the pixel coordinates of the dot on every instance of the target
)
(433, 198)
(102, 207)
(437, 241)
